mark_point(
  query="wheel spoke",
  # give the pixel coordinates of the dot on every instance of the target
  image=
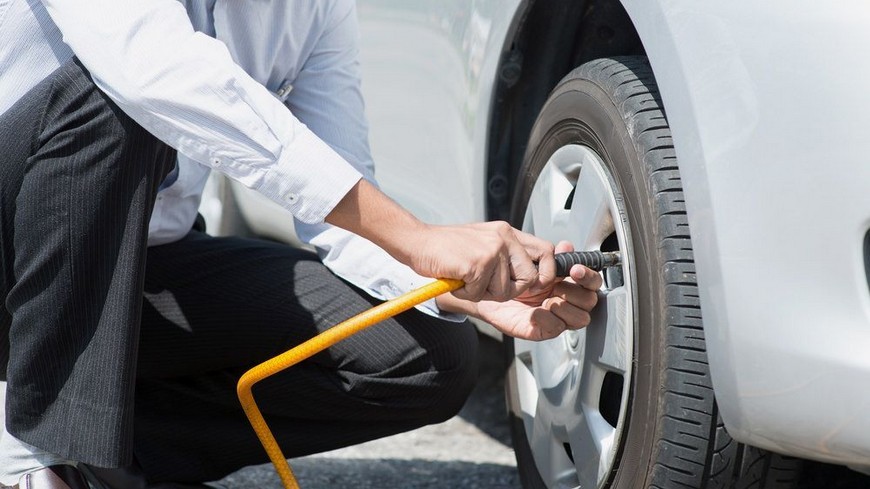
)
(550, 456)
(546, 216)
(522, 346)
(553, 363)
(591, 440)
(546, 373)
(608, 336)
(591, 220)
(526, 386)
(591, 384)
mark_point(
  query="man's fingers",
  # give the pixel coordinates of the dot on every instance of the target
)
(525, 273)
(554, 317)
(572, 316)
(525, 276)
(471, 291)
(581, 297)
(586, 278)
(543, 325)
(476, 286)
(564, 247)
(542, 252)
(500, 286)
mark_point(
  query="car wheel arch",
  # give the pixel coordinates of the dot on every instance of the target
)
(530, 67)
(532, 62)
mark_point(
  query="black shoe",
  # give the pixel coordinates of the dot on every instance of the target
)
(54, 477)
(128, 478)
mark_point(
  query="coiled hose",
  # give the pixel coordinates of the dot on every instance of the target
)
(595, 260)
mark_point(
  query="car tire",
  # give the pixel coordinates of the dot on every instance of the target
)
(656, 417)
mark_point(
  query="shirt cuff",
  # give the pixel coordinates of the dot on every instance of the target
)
(310, 178)
(368, 267)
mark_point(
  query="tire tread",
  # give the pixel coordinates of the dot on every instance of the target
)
(694, 449)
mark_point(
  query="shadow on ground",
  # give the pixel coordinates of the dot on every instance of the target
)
(485, 408)
(817, 475)
(322, 473)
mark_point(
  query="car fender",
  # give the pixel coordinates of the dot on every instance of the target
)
(769, 115)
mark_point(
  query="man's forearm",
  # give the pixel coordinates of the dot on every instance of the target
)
(368, 212)
(488, 257)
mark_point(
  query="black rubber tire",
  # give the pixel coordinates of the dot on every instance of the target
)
(673, 437)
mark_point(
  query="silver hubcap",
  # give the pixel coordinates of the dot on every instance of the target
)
(572, 391)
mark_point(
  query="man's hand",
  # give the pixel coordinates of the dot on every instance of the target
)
(542, 312)
(495, 261)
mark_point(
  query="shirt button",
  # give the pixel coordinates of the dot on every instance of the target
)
(291, 198)
(283, 91)
(216, 162)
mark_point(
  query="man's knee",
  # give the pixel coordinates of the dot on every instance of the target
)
(453, 385)
(429, 381)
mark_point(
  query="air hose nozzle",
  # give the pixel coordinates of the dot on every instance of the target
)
(595, 260)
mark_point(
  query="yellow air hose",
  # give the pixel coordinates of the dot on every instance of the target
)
(316, 345)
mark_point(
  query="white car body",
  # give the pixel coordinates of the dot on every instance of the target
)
(770, 114)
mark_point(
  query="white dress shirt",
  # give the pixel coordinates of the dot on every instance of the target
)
(215, 79)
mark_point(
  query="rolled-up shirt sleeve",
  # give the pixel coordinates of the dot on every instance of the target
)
(185, 88)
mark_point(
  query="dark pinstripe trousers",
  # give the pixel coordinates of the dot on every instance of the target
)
(89, 331)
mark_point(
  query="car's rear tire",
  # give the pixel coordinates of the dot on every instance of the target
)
(641, 384)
